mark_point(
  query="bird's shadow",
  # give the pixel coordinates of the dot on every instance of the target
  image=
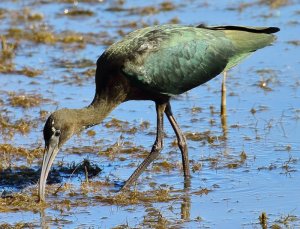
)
(18, 178)
(22, 177)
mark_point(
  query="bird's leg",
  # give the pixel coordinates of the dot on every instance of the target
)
(156, 148)
(181, 142)
(223, 94)
(223, 106)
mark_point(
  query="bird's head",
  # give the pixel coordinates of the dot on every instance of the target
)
(59, 127)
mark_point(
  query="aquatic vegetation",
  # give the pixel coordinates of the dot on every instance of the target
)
(120, 147)
(274, 3)
(77, 12)
(9, 153)
(86, 168)
(81, 63)
(2, 13)
(25, 100)
(294, 42)
(19, 225)
(196, 166)
(163, 166)
(7, 68)
(137, 197)
(144, 10)
(155, 219)
(174, 20)
(35, 17)
(42, 36)
(7, 49)
(9, 128)
(25, 15)
(202, 191)
(167, 6)
(287, 219)
(91, 133)
(204, 137)
(121, 126)
(236, 163)
(72, 38)
(20, 201)
(30, 72)
(37, 35)
(263, 220)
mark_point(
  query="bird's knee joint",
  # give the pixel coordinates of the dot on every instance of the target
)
(158, 146)
(182, 144)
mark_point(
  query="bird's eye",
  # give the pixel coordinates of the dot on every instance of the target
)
(57, 133)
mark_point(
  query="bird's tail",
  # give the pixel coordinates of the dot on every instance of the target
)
(252, 29)
(245, 39)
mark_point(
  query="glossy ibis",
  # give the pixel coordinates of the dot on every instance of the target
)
(154, 63)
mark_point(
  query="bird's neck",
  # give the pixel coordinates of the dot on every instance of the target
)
(94, 114)
(103, 103)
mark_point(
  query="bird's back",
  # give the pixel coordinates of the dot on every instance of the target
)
(171, 59)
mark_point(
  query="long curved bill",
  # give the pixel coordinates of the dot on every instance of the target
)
(49, 155)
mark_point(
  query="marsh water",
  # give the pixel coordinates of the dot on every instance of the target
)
(245, 172)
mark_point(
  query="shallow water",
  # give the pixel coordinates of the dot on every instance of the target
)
(262, 121)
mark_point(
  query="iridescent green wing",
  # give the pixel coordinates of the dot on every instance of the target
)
(172, 60)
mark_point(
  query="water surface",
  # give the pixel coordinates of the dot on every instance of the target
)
(254, 169)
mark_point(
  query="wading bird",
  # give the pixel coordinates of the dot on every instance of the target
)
(154, 63)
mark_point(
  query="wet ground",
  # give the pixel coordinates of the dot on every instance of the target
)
(245, 174)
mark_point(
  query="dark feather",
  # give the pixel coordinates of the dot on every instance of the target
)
(267, 30)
